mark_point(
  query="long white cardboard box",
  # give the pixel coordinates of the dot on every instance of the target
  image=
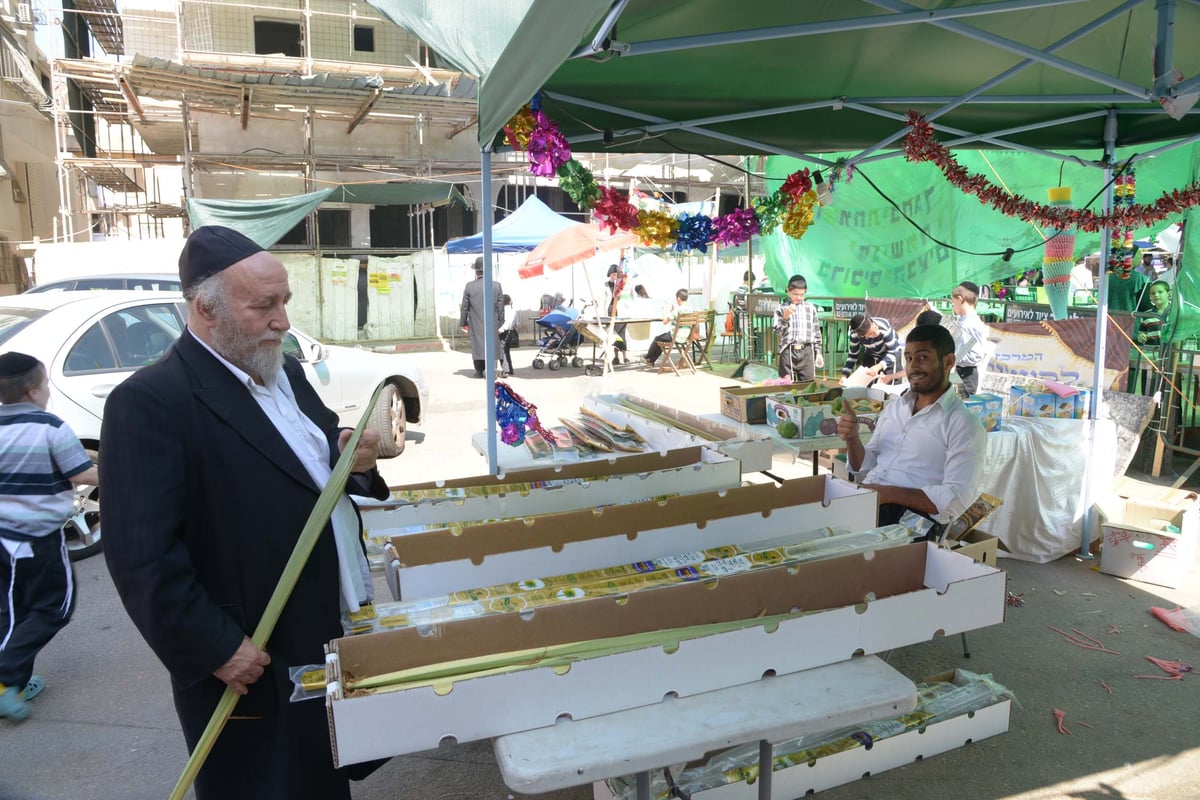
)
(588, 484)
(864, 603)
(437, 562)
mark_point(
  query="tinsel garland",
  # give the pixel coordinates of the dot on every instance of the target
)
(797, 184)
(515, 414)
(797, 219)
(614, 212)
(519, 128)
(920, 145)
(657, 229)
(730, 230)
(580, 185)
(548, 149)
(695, 232)
(792, 205)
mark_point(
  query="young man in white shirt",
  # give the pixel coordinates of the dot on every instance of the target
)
(927, 451)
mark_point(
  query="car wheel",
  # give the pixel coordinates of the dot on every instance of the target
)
(389, 421)
(82, 530)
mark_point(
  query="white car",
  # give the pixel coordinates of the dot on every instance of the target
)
(91, 341)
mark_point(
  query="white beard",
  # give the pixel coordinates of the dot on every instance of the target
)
(261, 357)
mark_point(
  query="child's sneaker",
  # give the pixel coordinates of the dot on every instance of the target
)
(33, 688)
(12, 705)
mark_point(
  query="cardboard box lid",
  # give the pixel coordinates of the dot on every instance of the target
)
(616, 465)
(1146, 517)
(1153, 492)
(812, 586)
(476, 542)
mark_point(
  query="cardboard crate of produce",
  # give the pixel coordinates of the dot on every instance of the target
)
(847, 766)
(865, 603)
(588, 484)
(749, 403)
(1139, 545)
(809, 415)
(442, 561)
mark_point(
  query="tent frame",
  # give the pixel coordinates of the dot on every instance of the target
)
(604, 45)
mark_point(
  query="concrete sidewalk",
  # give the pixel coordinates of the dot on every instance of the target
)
(105, 727)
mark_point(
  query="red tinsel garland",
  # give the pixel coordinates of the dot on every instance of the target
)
(920, 145)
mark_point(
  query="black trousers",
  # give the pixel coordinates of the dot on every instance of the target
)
(41, 600)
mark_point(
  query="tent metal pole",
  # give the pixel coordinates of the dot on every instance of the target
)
(489, 310)
(1089, 474)
(1039, 56)
(911, 17)
(974, 94)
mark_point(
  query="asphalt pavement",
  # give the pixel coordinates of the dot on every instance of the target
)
(105, 727)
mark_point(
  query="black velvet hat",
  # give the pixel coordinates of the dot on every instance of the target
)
(13, 364)
(211, 249)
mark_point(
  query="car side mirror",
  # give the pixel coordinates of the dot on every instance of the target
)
(316, 353)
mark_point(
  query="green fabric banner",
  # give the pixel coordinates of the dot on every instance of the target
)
(861, 245)
(264, 221)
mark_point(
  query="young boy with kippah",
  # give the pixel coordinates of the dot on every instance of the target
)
(970, 344)
(40, 459)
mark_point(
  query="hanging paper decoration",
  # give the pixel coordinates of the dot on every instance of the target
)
(515, 414)
(769, 210)
(614, 213)
(799, 217)
(519, 128)
(730, 230)
(695, 232)
(792, 205)
(657, 228)
(797, 184)
(580, 185)
(1059, 258)
(1120, 246)
(548, 148)
(921, 146)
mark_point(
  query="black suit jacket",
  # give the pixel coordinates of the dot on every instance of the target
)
(203, 503)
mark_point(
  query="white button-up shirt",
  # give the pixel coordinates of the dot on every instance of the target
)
(309, 444)
(938, 450)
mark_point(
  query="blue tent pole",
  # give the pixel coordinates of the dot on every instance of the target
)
(1089, 476)
(489, 310)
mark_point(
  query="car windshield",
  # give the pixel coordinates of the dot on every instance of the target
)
(14, 319)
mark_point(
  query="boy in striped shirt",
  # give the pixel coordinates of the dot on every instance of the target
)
(874, 345)
(40, 460)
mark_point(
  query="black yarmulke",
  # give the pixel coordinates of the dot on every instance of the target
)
(14, 364)
(211, 249)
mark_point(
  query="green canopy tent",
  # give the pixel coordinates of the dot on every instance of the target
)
(779, 77)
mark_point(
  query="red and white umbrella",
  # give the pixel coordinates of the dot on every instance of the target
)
(570, 246)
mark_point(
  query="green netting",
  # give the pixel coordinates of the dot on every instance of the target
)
(862, 246)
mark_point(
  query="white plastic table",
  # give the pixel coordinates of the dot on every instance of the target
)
(679, 729)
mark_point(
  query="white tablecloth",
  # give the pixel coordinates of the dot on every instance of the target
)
(1037, 467)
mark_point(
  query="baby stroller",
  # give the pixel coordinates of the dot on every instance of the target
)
(561, 340)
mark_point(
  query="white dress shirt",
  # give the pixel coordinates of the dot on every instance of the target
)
(938, 450)
(312, 448)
